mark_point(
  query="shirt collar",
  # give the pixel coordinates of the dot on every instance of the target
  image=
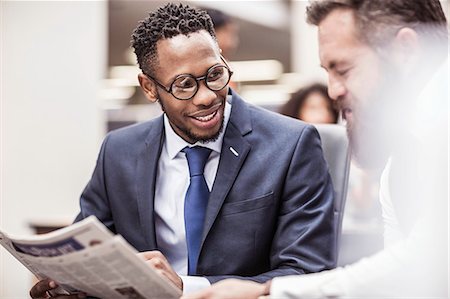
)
(174, 143)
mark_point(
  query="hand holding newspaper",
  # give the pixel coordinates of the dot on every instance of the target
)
(87, 257)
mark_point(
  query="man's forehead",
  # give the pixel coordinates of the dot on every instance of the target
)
(337, 37)
(332, 56)
(183, 51)
(183, 45)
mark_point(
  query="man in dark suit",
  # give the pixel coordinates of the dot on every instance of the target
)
(269, 210)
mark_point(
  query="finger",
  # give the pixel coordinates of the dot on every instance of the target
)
(148, 255)
(157, 263)
(39, 290)
(172, 277)
(166, 274)
(161, 272)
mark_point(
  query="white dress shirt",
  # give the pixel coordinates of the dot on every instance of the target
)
(410, 266)
(172, 182)
(392, 231)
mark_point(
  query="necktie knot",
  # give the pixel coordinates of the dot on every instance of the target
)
(196, 157)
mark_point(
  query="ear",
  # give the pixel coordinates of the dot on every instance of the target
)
(406, 47)
(148, 87)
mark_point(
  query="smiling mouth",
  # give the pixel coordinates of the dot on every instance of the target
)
(206, 115)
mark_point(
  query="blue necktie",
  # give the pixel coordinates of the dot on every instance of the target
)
(195, 203)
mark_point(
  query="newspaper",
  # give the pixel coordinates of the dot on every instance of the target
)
(87, 257)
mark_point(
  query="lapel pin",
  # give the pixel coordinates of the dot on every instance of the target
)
(234, 151)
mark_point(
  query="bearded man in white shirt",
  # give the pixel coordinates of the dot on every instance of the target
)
(388, 71)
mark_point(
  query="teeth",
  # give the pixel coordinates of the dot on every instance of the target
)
(206, 117)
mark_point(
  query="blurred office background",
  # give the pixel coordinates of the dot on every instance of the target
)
(68, 76)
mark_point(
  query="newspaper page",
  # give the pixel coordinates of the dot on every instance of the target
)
(87, 257)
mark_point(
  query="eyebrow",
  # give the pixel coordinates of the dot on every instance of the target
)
(187, 74)
(332, 65)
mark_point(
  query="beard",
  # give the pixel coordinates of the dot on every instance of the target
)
(196, 137)
(204, 139)
(368, 145)
(376, 126)
(379, 117)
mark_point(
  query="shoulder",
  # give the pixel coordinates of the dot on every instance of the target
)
(137, 133)
(245, 115)
(261, 115)
(279, 127)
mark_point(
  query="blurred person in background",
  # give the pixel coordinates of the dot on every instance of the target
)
(243, 217)
(227, 35)
(312, 105)
(387, 63)
(227, 32)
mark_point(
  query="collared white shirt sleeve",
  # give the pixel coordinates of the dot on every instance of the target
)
(410, 268)
(194, 283)
(172, 182)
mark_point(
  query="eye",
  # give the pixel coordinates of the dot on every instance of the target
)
(215, 74)
(185, 82)
(342, 72)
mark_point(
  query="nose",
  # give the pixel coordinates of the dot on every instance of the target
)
(204, 96)
(336, 88)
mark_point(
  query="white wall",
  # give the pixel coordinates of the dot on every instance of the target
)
(53, 56)
(305, 46)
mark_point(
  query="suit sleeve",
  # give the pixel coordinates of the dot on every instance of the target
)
(94, 199)
(305, 235)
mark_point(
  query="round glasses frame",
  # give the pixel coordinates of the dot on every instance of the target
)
(197, 80)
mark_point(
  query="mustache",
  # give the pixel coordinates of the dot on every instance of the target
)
(206, 110)
(344, 106)
(342, 103)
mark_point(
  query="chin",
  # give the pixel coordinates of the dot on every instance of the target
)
(206, 137)
(211, 137)
(368, 147)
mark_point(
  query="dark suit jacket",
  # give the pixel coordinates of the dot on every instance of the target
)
(270, 211)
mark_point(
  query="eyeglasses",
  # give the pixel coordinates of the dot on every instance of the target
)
(185, 86)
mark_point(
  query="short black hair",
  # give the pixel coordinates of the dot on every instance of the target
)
(166, 22)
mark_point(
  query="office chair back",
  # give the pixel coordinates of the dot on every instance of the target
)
(336, 151)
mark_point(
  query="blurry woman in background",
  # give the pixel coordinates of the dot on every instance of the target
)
(312, 104)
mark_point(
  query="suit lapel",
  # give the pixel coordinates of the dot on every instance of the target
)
(234, 151)
(146, 171)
